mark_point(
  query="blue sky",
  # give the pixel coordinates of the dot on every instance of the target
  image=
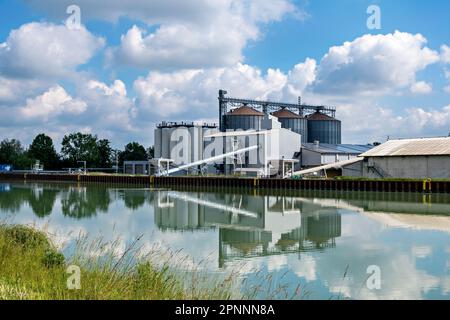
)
(134, 64)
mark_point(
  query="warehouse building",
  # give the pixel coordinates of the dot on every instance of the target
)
(318, 154)
(408, 158)
(136, 167)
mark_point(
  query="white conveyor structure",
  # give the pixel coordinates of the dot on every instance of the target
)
(208, 160)
(336, 165)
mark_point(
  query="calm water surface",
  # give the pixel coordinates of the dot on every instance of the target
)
(322, 241)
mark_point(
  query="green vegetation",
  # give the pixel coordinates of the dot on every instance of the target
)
(32, 268)
(75, 148)
(42, 149)
(133, 152)
(12, 152)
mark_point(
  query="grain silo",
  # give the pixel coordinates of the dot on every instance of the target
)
(323, 128)
(294, 122)
(182, 142)
(244, 118)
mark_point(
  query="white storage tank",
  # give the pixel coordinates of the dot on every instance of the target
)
(165, 143)
(180, 141)
(158, 143)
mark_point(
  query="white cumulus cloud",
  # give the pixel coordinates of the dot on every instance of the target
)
(46, 50)
(445, 53)
(421, 87)
(374, 64)
(182, 40)
(194, 92)
(51, 104)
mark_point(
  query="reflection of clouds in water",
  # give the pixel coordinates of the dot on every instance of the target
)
(445, 285)
(399, 280)
(305, 268)
(422, 252)
(356, 226)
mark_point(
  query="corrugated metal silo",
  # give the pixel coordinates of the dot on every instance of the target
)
(180, 145)
(165, 141)
(158, 143)
(244, 118)
(323, 128)
(294, 122)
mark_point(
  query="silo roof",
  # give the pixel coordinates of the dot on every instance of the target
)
(320, 116)
(245, 111)
(411, 147)
(286, 114)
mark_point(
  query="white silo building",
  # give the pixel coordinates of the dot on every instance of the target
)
(180, 141)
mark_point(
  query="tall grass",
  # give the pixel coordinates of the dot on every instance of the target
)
(32, 268)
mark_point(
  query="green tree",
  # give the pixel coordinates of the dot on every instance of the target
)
(133, 152)
(42, 149)
(105, 154)
(12, 152)
(151, 152)
(80, 147)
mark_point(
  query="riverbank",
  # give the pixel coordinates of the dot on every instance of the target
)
(31, 268)
(341, 184)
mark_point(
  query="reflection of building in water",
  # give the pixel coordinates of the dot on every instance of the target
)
(317, 232)
(5, 187)
(248, 225)
(312, 232)
(180, 211)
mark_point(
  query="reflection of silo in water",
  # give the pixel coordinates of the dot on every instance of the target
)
(294, 236)
(181, 215)
(324, 227)
(320, 229)
(240, 243)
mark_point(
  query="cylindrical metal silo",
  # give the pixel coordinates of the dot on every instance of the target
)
(244, 118)
(323, 128)
(180, 145)
(158, 143)
(294, 122)
(165, 141)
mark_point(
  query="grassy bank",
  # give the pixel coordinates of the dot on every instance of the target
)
(32, 268)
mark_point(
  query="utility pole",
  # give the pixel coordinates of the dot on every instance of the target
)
(85, 165)
(117, 161)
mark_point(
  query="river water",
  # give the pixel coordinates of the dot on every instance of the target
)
(312, 244)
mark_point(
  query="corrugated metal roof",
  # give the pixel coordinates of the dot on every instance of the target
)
(286, 114)
(326, 148)
(245, 111)
(411, 147)
(319, 116)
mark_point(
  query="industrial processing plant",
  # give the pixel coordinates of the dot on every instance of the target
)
(253, 138)
(266, 139)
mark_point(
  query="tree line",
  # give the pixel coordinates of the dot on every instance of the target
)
(75, 147)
